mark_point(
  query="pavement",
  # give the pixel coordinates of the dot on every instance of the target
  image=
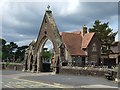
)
(10, 79)
(19, 79)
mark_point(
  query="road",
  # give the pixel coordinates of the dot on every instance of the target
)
(19, 79)
(11, 79)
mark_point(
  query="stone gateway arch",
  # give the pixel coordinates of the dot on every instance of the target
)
(33, 55)
(78, 48)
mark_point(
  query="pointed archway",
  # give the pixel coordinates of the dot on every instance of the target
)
(48, 30)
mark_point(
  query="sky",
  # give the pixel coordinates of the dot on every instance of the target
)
(21, 21)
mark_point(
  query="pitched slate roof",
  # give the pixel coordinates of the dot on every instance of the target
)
(86, 39)
(73, 42)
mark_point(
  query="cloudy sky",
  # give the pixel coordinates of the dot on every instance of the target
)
(21, 21)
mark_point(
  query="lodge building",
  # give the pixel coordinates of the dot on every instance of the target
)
(81, 47)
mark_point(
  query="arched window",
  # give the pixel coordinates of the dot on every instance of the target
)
(94, 49)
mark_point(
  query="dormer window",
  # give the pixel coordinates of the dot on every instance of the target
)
(94, 49)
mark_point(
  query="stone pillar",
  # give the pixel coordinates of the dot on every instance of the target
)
(60, 64)
(33, 65)
(117, 60)
(55, 60)
(38, 62)
(25, 66)
(56, 63)
(41, 63)
(29, 60)
(38, 66)
(61, 56)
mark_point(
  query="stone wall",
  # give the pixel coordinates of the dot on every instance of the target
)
(83, 71)
(11, 66)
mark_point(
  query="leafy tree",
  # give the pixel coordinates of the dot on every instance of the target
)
(19, 54)
(2, 42)
(8, 50)
(105, 34)
(11, 47)
(2, 48)
(11, 51)
(0, 54)
(2, 45)
(47, 54)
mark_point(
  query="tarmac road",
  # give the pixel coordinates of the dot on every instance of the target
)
(19, 79)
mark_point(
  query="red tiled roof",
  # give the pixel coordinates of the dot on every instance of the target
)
(77, 32)
(86, 39)
(73, 43)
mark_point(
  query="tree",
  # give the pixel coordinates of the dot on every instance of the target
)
(105, 34)
(47, 54)
(11, 47)
(0, 55)
(8, 50)
(19, 54)
(2, 42)
(11, 51)
(2, 48)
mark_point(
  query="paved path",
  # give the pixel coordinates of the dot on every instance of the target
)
(18, 79)
(73, 81)
(10, 79)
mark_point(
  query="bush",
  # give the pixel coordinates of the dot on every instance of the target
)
(7, 63)
(0, 55)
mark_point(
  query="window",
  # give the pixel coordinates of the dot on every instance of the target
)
(93, 59)
(94, 47)
(76, 60)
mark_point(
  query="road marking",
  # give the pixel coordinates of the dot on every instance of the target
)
(56, 84)
(19, 86)
(8, 86)
(44, 84)
(98, 86)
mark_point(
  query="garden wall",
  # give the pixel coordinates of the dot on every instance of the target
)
(11, 66)
(83, 71)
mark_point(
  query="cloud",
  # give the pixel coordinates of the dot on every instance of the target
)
(21, 21)
(22, 43)
(48, 45)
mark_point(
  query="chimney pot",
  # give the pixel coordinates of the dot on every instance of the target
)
(84, 30)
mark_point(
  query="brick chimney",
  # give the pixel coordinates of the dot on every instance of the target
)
(84, 30)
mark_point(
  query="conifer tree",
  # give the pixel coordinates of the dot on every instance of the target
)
(105, 34)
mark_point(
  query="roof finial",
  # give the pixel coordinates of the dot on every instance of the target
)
(48, 7)
(84, 25)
